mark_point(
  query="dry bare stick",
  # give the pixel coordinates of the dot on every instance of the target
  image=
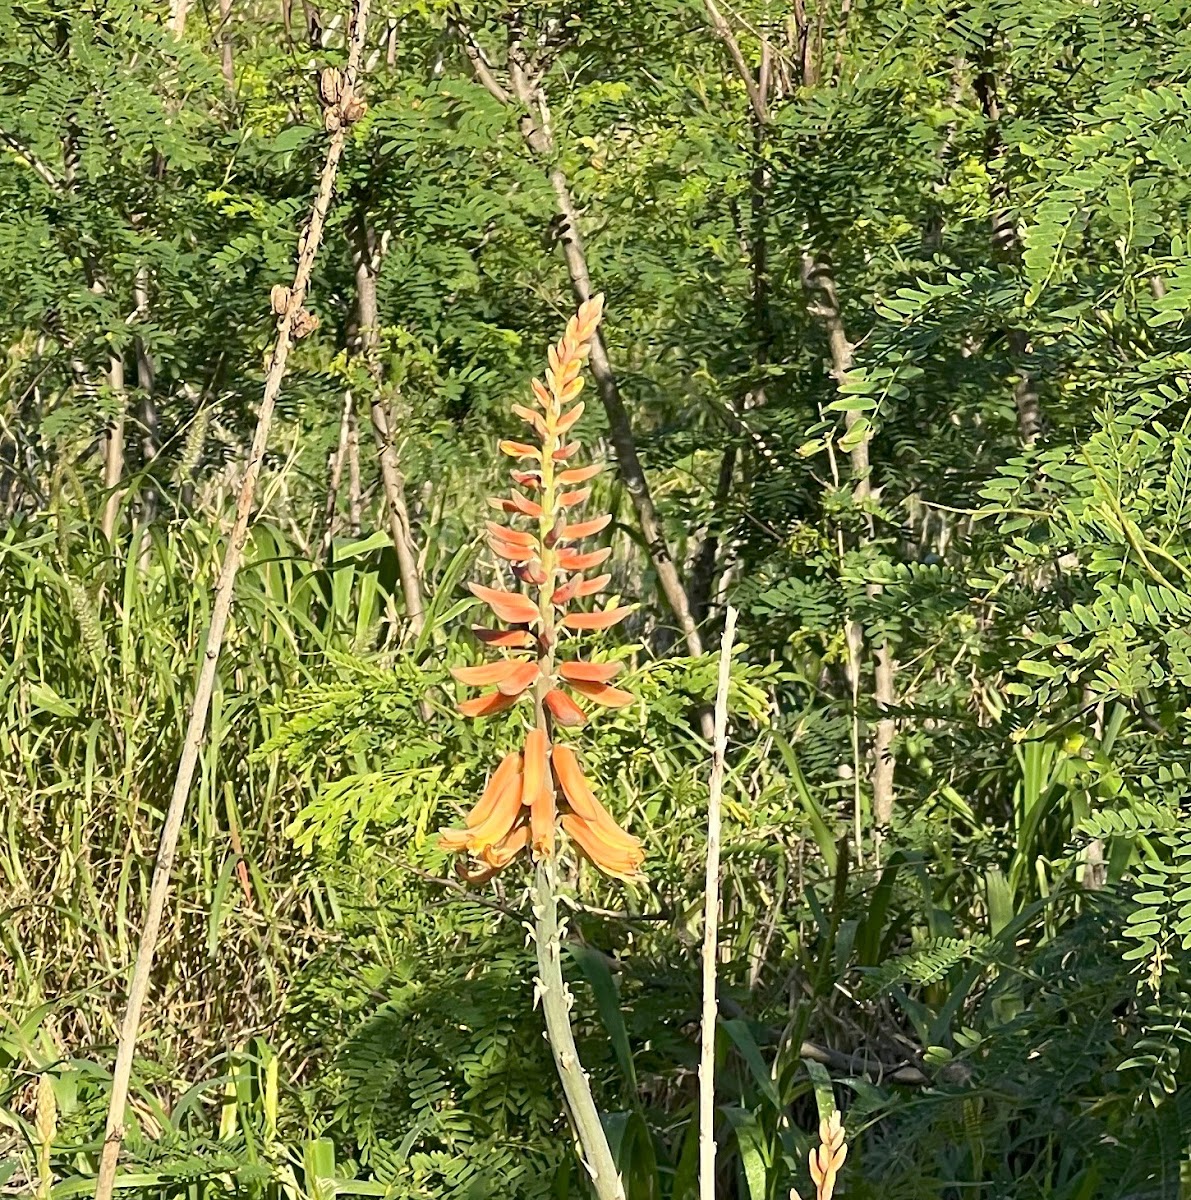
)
(178, 16)
(526, 91)
(711, 919)
(308, 244)
(392, 479)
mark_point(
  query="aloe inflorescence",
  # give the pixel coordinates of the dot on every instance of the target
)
(542, 785)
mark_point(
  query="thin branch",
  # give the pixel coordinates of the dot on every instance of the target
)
(724, 32)
(479, 62)
(308, 244)
(711, 918)
(36, 165)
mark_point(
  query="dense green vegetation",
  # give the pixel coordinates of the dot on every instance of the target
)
(898, 307)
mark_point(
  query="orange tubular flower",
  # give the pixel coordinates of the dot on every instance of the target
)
(531, 792)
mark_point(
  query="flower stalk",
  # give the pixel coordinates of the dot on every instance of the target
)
(542, 786)
(556, 1008)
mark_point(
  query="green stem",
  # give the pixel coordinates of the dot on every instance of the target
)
(556, 1005)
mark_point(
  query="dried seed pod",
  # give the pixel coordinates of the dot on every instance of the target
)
(330, 85)
(305, 323)
(351, 109)
(279, 298)
(331, 120)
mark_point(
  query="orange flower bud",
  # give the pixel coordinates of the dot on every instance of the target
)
(518, 449)
(521, 677)
(517, 537)
(507, 848)
(578, 586)
(527, 414)
(589, 587)
(572, 560)
(511, 553)
(496, 826)
(453, 840)
(609, 856)
(568, 419)
(485, 706)
(582, 529)
(602, 693)
(570, 499)
(564, 710)
(506, 777)
(524, 505)
(573, 783)
(589, 672)
(596, 620)
(488, 673)
(508, 606)
(579, 475)
(541, 820)
(505, 639)
(536, 763)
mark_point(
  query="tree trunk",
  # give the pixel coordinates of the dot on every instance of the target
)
(390, 468)
(226, 60)
(335, 476)
(819, 282)
(355, 502)
(113, 451)
(1003, 234)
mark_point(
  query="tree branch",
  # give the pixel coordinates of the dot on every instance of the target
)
(35, 164)
(479, 61)
(724, 32)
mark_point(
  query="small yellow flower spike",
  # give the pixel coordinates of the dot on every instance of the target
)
(827, 1158)
(536, 789)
